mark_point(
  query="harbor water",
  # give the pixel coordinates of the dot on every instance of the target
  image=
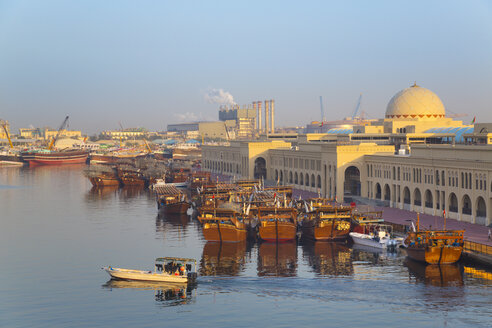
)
(56, 232)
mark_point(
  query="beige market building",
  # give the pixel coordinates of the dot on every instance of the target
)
(415, 158)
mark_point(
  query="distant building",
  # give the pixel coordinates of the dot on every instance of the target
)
(31, 133)
(125, 134)
(236, 112)
(50, 134)
(182, 127)
(47, 133)
(210, 130)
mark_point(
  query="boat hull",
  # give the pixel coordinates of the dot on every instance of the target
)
(11, 163)
(132, 181)
(101, 182)
(139, 275)
(435, 254)
(223, 232)
(327, 230)
(56, 158)
(366, 240)
(175, 208)
(277, 231)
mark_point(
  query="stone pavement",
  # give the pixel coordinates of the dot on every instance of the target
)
(473, 232)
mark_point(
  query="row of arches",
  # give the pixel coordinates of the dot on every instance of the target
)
(300, 179)
(219, 166)
(427, 201)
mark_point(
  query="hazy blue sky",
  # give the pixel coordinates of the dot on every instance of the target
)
(150, 63)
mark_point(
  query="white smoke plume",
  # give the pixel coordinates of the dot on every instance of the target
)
(187, 117)
(218, 96)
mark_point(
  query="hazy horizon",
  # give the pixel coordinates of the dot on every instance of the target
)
(151, 64)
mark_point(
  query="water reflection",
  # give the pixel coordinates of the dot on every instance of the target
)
(106, 193)
(97, 194)
(372, 255)
(174, 219)
(436, 275)
(128, 193)
(223, 259)
(165, 293)
(277, 259)
(328, 258)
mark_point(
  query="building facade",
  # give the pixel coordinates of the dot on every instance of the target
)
(415, 158)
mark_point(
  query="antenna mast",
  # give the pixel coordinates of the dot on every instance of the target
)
(322, 109)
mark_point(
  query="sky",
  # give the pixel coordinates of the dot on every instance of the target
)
(153, 63)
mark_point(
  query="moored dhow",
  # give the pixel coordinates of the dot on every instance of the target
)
(221, 224)
(47, 157)
(434, 246)
(327, 222)
(277, 224)
(102, 175)
(171, 200)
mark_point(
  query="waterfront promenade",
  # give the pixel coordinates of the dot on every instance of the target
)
(473, 232)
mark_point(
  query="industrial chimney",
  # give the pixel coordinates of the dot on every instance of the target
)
(272, 116)
(254, 110)
(259, 116)
(267, 116)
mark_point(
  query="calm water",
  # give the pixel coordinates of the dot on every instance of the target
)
(56, 233)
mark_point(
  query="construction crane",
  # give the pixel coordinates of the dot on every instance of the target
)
(227, 132)
(322, 109)
(121, 126)
(4, 126)
(357, 107)
(147, 146)
(62, 126)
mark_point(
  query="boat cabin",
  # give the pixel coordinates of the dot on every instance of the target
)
(177, 266)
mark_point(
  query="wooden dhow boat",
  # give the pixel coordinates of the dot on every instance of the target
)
(166, 269)
(48, 157)
(131, 177)
(327, 223)
(171, 200)
(221, 224)
(102, 175)
(198, 179)
(277, 224)
(434, 246)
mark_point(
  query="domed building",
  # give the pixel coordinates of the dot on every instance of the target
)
(410, 113)
(415, 102)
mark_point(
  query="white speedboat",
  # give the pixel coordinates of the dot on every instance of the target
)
(167, 269)
(380, 239)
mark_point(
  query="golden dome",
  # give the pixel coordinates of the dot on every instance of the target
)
(415, 102)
